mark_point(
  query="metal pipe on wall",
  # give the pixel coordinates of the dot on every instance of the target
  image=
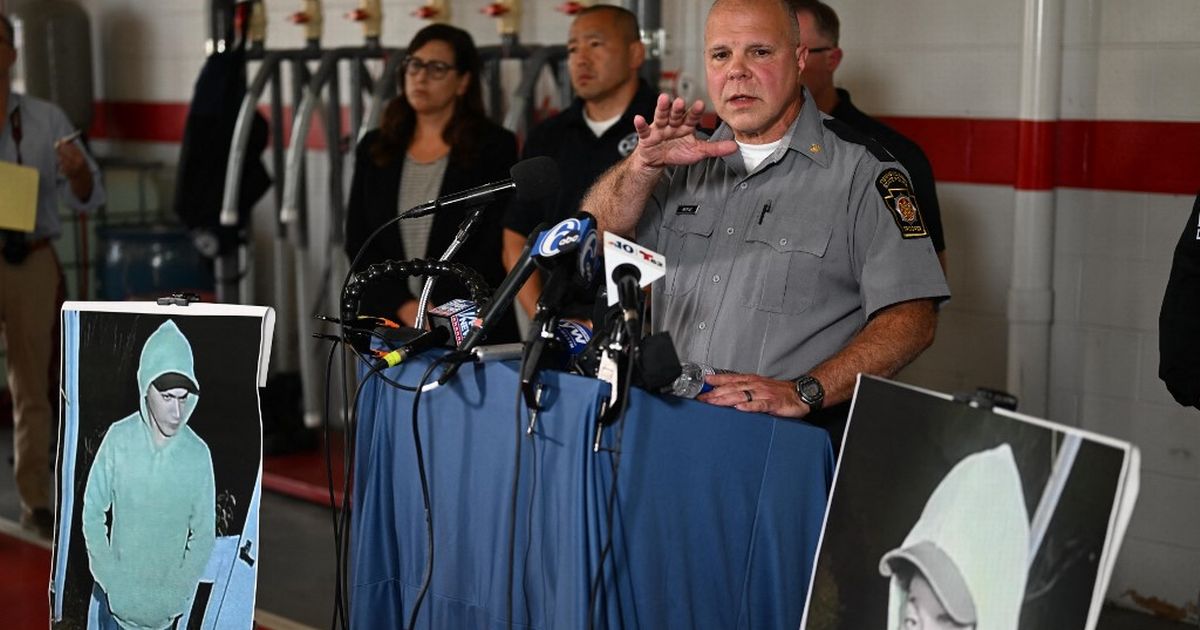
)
(1030, 294)
(649, 14)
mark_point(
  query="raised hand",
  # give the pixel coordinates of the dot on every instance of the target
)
(74, 167)
(670, 140)
(70, 159)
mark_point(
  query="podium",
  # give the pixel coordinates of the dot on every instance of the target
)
(715, 524)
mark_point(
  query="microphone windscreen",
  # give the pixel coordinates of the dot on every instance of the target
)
(659, 362)
(535, 178)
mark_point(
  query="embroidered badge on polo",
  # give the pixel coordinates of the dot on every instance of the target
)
(686, 209)
(898, 197)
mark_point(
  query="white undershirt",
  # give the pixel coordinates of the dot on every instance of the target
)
(754, 154)
(599, 127)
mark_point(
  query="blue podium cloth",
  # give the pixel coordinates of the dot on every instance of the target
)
(716, 520)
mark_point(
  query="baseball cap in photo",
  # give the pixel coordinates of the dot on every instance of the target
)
(941, 573)
(172, 380)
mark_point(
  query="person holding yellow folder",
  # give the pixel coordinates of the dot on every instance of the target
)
(35, 134)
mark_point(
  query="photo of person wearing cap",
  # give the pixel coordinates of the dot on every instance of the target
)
(963, 565)
(149, 504)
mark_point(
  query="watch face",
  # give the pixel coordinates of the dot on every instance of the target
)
(809, 389)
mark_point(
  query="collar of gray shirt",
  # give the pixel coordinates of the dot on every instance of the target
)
(806, 136)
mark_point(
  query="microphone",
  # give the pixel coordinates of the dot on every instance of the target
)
(422, 342)
(457, 317)
(533, 180)
(628, 267)
(505, 293)
(572, 336)
(572, 239)
(448, 323)
(624, 259)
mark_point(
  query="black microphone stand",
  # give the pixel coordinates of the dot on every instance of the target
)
(543, 328)
(464, 230)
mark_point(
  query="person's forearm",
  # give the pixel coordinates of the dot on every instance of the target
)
(514, 245)
(529, 294)
(890, 341)
(619, 196)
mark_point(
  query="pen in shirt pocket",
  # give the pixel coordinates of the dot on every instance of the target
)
(765, 209)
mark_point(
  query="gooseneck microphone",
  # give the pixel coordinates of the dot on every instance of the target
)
(532, 180)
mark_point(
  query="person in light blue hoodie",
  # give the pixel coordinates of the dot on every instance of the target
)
(149, 507)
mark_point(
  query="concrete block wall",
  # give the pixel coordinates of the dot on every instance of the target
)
(947, 73)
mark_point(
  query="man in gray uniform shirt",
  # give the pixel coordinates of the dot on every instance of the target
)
(797, 256)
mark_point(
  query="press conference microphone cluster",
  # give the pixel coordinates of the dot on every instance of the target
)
(566, 250)
(532, 180)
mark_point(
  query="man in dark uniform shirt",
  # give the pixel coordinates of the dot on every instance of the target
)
(1179, 321)
(605, 53)
(819, 30)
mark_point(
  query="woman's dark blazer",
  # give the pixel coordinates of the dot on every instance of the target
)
(374, 193)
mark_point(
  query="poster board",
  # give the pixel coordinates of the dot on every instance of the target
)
(1006, 521)
(159, 464)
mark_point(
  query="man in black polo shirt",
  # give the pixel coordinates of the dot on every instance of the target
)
(819, 30)
(604, 54)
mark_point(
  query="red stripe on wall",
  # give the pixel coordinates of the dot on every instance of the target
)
(1139, 156)
(1129, 155)
(1134, 155)
(138, 121)
(977, 151)
(135, 121)
(1036, 155)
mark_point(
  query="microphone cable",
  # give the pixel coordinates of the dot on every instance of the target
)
(514, 489)
(342, 513)
(427, 574)
(615, 454)
(339, 614)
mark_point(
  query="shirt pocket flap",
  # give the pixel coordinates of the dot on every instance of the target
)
(798, 234)
(690, 220)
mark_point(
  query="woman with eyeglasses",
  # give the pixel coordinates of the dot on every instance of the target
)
(434, 139)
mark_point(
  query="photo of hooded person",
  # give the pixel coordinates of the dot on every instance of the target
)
(977, 517)
(149, 504)
(963, 564)
(159, 465)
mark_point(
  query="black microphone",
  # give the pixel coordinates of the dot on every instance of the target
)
(533, 179)
(507, 290)
(629, 296)
(424, 341)
(628, 267)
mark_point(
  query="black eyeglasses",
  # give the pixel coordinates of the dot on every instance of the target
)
(435, 69)
(815, 51)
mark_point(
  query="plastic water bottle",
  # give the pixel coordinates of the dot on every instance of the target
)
(691, 381)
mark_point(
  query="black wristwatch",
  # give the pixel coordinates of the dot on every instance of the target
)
(810, 391)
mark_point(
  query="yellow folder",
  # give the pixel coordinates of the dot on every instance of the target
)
(18, 197)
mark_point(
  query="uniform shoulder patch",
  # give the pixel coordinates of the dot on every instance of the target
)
(898, 196)
(850, 134)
